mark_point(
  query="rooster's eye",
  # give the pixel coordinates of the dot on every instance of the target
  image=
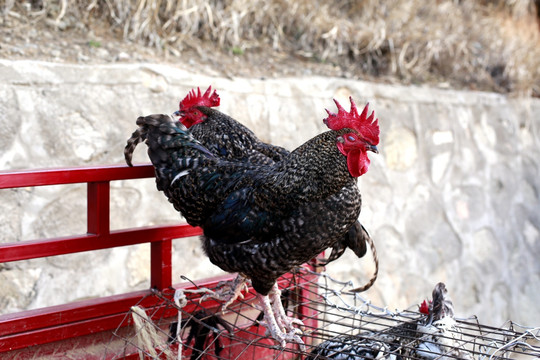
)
(351, 138)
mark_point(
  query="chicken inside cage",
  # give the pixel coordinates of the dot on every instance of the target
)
(338, 324)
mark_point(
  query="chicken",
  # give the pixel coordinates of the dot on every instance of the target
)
(228, 139)
(367, 345)
(202, 325)
(221, 134)
(435, 336)
(263, 220)
(440, 335)
(391, 343)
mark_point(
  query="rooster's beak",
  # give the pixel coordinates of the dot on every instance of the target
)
(373, 148)
(178, 113)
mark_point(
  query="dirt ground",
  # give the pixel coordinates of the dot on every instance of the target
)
(458, 59)
(48, 43)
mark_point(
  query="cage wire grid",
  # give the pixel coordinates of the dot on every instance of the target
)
(338, 324)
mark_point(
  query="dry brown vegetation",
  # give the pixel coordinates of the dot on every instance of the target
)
(485, 45)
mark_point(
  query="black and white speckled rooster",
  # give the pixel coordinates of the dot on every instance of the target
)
(440, 335)
(262, 220)
(354, 347)
(435, 336)
(221, 134)
(228, 139)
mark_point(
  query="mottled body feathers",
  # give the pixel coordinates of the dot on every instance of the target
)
(228, 139)
(258, 220)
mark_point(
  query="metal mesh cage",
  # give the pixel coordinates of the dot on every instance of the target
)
(338, 324)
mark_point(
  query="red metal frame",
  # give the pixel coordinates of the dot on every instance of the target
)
(75, 320)
(34, 327)
(98, 234)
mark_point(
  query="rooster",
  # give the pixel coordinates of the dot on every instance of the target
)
(263, 220)
(367, 345)
(441, 337)
(228, 139)
(435, 337)
(202, 325)
(221, 134)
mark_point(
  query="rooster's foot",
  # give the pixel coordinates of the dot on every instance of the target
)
(279, 325)
(226, 291)
(283, 320)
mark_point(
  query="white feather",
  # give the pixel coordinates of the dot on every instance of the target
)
(180, 174)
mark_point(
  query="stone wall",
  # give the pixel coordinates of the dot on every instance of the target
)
(453, 196)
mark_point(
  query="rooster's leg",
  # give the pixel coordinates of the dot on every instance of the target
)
(283, 320)
(279, 325)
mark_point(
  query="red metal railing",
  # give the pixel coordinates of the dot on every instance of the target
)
(82, 320)
(54, 323)
(98, 234)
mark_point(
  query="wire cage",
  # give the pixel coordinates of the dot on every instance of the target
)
(338, 324)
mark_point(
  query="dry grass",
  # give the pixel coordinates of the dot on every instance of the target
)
(489, 45)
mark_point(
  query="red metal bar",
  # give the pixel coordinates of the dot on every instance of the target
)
(60, 332)
(98, 195)
(55, 323)
(33, 249)
(25, 178)
(68, 313)
(161, 264)
(40, 326)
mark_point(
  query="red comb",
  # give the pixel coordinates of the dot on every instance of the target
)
(195, 98)
(366, 126)
(424, 307)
